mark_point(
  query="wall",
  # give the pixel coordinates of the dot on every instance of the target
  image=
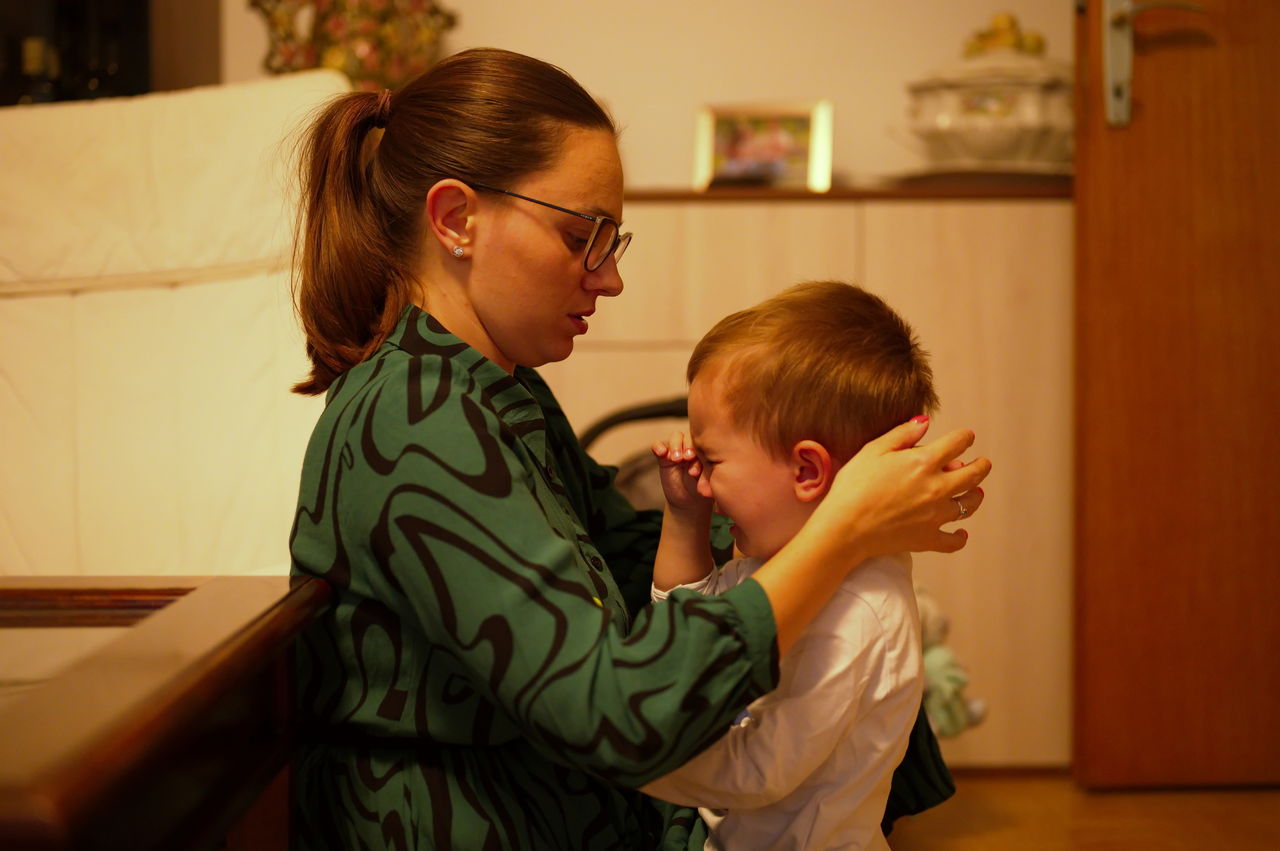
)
(656, 63)
(244, 41)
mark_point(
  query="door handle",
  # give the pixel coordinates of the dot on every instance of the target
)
(1117, 51)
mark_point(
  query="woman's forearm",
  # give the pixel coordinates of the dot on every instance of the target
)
(802, 577)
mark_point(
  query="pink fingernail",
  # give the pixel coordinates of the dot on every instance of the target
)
(922, 418)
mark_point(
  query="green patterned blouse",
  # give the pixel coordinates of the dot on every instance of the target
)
(491, 674)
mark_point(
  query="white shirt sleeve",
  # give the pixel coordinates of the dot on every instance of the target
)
(719, 580)
(792, 729)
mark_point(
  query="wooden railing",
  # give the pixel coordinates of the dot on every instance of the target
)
(163, 721)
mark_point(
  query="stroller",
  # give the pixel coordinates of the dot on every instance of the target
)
(637, 479)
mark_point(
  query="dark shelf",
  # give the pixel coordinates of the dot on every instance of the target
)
(949, 186)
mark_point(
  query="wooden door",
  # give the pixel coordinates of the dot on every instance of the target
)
(1177, 380)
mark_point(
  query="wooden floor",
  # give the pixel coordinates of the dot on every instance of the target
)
(1048, 812)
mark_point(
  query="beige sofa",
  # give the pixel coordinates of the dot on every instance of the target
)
(147, 343)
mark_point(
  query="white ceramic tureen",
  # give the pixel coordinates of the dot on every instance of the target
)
(1004, 107)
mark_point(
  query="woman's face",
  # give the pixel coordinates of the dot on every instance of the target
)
(527, 284)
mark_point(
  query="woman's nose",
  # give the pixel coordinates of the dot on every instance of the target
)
(606, 279)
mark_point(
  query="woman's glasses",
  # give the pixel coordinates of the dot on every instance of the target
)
(605, 239)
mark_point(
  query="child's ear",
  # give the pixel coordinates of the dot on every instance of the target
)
(813, 470)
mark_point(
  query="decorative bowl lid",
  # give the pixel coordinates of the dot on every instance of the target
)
(999, 67)
(1002, 53)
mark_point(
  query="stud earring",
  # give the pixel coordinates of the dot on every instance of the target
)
(459, 252)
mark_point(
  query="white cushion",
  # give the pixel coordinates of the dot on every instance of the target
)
(158, 188)
(147, 341)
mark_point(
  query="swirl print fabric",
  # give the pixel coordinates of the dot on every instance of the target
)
(490, 674)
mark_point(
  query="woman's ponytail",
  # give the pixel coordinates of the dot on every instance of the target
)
(349, 287)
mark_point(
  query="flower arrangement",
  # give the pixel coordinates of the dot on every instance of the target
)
(377, 43)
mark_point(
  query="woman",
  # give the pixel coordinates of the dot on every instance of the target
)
(490, 675)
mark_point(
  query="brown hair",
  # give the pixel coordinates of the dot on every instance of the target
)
(823, 361)
(488, 116)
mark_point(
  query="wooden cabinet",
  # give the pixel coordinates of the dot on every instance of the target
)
(987, 284)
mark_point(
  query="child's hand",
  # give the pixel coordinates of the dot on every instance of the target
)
(678, 470)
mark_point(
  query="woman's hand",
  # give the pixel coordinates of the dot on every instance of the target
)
(894, 495)
(679, 470)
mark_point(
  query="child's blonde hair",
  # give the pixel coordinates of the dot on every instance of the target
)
(824, 361)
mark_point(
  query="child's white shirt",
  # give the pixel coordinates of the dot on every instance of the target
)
(810, 768)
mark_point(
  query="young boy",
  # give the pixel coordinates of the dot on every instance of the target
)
(780, 397)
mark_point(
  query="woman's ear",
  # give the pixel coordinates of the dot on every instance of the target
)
(449, 215)
(813, 470)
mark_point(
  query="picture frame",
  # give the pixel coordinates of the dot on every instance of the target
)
(773, 145)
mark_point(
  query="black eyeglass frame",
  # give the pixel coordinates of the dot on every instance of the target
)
(620, 240)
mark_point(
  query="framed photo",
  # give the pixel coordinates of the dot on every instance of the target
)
(787, 146)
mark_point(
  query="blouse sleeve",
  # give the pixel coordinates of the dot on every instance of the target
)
(470, 542)
(789, 733)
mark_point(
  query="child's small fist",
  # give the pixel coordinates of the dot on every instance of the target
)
(679, 469)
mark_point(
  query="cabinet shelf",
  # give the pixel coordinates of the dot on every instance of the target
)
(950, 186)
